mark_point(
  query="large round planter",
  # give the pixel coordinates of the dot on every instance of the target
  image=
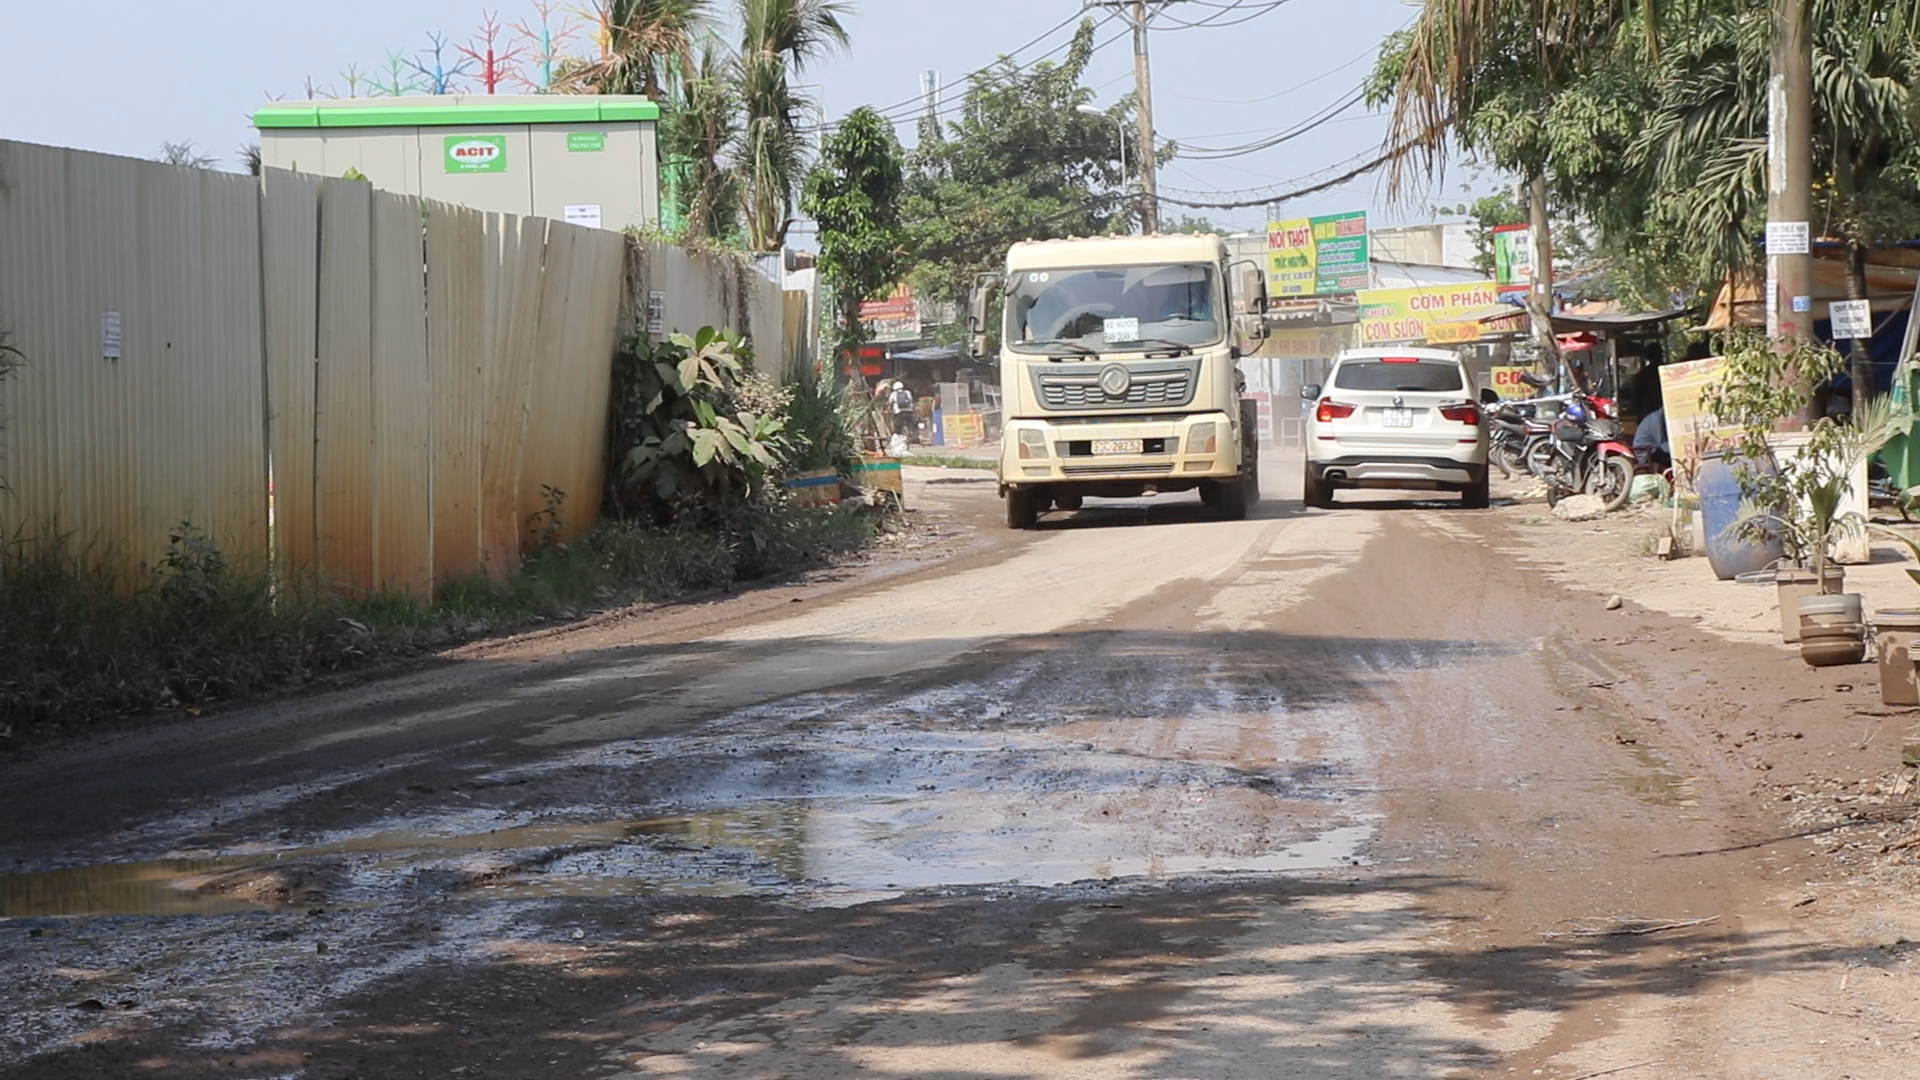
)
(1795, 583)
(1833, 651)
(1727, 552)
(1842, 610)
(1895, 633)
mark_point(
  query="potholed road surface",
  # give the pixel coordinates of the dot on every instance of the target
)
(1141, 794)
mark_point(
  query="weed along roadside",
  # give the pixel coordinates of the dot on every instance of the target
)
(693, 503)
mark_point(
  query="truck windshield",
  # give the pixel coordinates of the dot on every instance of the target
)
(1109, 308)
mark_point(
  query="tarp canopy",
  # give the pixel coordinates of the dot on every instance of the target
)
(1891, 272)
(931, 354)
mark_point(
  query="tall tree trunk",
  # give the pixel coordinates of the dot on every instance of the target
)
(1540, 292)
(1860, 360)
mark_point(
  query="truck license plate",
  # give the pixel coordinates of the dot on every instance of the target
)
(1396, 417)
(1116, 446)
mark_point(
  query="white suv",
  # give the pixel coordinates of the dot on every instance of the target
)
(1396, 418)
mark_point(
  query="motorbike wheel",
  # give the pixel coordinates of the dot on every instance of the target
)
(1612, 480)
(1497, 457)
(1539, 458)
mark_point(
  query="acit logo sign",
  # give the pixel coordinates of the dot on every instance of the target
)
(476, 154)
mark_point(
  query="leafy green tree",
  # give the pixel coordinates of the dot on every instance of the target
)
(1190, 224)
(1020, 162)
(854, 196)
(185, 154)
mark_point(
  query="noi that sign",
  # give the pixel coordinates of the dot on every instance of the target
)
(1318, 256)
(476, 153)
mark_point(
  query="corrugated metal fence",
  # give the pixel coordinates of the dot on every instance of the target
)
(114, 442)
(432, 372)
(413, 378)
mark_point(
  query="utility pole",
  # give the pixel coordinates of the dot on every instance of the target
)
(1143, 86)
(1790, 175)
(1143, 109)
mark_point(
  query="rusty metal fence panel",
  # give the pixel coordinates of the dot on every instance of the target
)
(373, 389)
(133, 290)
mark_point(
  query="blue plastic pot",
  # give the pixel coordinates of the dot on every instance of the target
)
(1727, 551)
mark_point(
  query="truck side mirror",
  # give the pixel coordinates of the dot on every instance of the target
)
(1249, 281)
(977, 301)
(1310, 392)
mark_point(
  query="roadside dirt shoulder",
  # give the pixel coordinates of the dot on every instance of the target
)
(1833, 818)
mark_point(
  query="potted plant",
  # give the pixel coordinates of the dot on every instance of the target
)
(1798, 496)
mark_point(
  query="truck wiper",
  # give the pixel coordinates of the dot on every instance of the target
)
(1179, 349)
(1077, 348)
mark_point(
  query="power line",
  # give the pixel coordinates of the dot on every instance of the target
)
(1223, 200)
(1320, 119)
(1281, 93)
(913, 109)
(1215, 21)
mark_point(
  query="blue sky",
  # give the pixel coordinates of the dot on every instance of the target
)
(138, 73)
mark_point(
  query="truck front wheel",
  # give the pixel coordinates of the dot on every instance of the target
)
(1023, 509)
(1230, 499)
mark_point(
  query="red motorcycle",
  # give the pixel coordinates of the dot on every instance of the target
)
(1588, 456)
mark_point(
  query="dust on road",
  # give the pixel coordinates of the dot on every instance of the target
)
(1141, 794)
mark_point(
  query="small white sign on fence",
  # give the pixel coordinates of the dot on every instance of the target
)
(587, 214)
(1852, 319)
(110, 335)
(656, 312)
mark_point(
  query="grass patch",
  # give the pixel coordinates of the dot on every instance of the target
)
(950, 461)
(202, 628)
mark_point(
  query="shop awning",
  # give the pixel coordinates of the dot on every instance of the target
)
(930, 354)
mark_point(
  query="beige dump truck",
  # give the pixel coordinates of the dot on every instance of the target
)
(1118, 372)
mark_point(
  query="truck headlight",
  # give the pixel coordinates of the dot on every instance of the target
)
(1033, 444)
(1201, 440)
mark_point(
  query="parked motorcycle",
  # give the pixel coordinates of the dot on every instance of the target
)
(1588, 455)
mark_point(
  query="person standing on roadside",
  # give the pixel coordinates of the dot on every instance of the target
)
(904, 419)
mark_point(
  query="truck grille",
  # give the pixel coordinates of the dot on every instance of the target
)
(1156, 385)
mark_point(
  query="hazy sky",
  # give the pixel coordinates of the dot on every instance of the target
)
(123, 76)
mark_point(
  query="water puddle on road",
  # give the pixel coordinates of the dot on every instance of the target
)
(161, 887)
(828, 851)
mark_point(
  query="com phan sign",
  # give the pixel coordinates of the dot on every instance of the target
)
(1441, 314)
(476, 153)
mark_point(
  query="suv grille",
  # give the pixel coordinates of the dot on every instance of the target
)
(1159, 385)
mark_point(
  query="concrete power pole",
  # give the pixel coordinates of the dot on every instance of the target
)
(1143, 110)
(1149, 161)
(1790, 175)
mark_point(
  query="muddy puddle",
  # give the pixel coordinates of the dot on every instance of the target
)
(822, 800)
(826, 851)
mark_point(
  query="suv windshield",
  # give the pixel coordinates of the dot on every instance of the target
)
(1113, 308)
(1435, 376)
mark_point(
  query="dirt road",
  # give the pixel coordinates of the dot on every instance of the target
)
(1138, 795)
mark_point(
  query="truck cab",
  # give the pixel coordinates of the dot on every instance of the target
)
(1118, 373)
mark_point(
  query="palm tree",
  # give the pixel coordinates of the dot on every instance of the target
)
(778, 39)
(698, 132)
(643, 44)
